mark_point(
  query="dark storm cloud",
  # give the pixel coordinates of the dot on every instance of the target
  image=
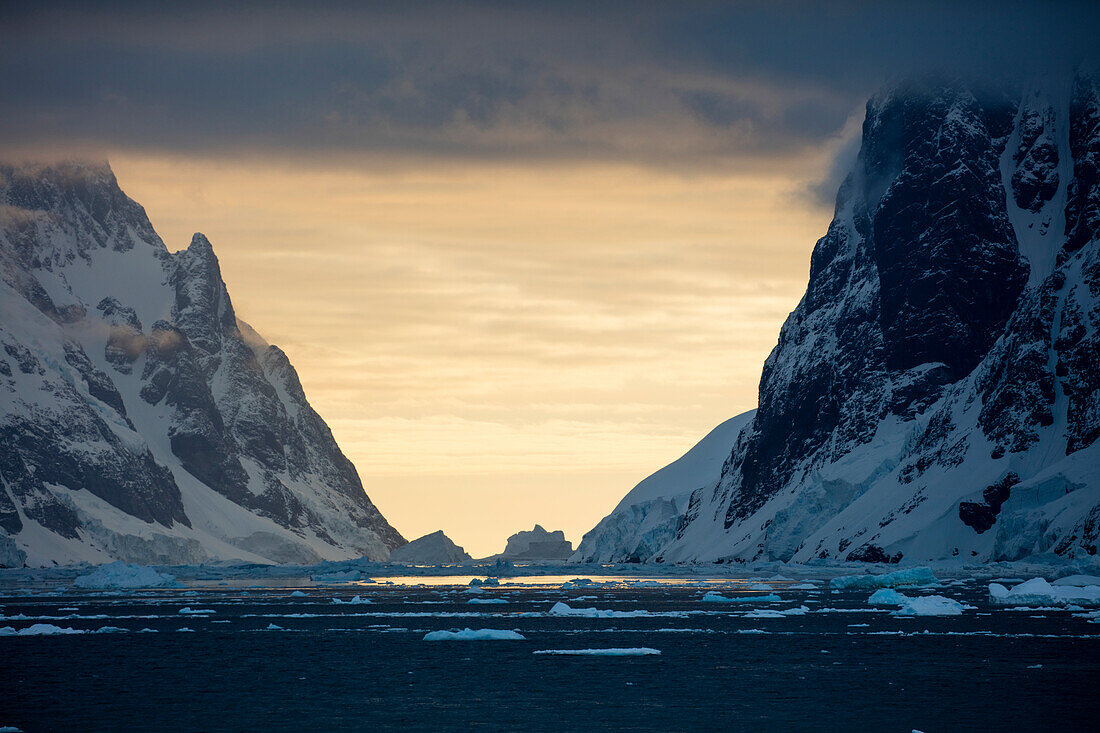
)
(652, 82)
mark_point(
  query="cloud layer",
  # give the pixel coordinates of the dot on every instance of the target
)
(682, 84)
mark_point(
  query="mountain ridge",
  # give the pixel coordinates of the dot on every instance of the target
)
(140, 421)
(934, 394)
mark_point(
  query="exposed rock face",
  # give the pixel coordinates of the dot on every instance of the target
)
(139, 418)
(431, 549)
(935, 393)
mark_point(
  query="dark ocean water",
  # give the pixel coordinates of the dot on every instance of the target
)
(366, 667)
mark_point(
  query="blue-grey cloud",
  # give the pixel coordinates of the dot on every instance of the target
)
(682, 83)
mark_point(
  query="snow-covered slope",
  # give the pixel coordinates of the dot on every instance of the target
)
(139, 419)
(936, 393)
(648, 517)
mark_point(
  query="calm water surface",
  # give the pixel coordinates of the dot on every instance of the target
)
(842, 665)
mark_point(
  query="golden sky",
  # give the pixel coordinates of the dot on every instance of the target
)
(499, 344)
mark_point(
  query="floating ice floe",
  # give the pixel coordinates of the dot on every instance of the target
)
(188, 611)
(564, 609)
(273, 627)
(475, 635)
(917, 606)
(39, 630)
(485, 601)
(638, 651)
(1038, 592)
(771, 613)
(297, 594)
(802, 586)
(357, 601)
(909, 576)
(713, 597)
(117, 575)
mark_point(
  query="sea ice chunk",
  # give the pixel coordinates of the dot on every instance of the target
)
(485, 601)
(121, 575)
(886, 597)
(357, 600)
(475, 635)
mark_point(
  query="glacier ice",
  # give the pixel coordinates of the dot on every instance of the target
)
(909, 576)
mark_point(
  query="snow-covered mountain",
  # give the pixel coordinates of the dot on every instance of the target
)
(936, 393)
(139, 418)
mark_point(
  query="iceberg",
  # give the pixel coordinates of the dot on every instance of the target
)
(910, 576)
(119, 575)
(341, 576)
(474, 635)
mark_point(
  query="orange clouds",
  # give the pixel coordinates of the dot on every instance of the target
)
(495, 345)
